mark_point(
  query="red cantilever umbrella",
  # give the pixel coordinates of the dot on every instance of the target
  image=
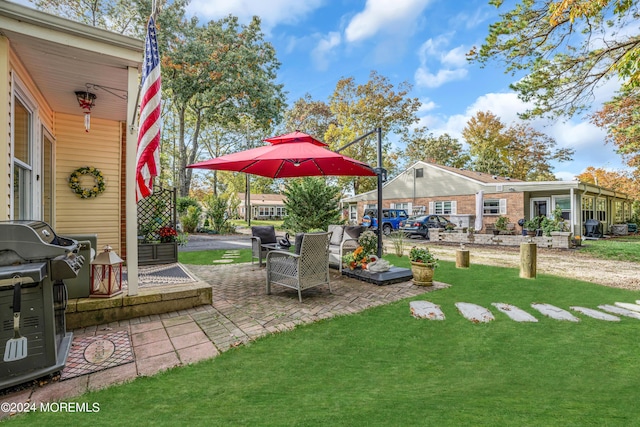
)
(291, 155)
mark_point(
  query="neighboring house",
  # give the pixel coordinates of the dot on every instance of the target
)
(465, 196)
(44, 60)
(263, 206)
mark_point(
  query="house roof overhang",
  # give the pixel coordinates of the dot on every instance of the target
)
(63, 56)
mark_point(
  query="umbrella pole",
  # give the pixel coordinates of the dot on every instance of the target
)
(247, 200)
(380, 173)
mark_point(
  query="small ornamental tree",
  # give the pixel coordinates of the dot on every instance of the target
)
(311, 204)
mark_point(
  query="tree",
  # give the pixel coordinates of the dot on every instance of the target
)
(308, 116)
(121, 16)
(488, 143)
(311, 204)
(519, 151)
(623, 181)
(620, 117)
(219, 74)
(359, 109)
(443, 149)
(567, 48)
(529, 154)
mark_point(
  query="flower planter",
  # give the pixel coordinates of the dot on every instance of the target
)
(422, 273)
(157, 253)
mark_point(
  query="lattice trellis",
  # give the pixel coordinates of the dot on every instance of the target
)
(154, 212)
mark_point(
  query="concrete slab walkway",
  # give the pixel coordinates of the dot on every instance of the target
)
(241, 312)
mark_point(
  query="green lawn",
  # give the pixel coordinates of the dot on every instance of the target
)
(207, 257)
(242, 223)
(382, 367)
(625, 248)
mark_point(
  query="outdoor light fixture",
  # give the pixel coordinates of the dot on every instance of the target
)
(86, 102)
(106, 274)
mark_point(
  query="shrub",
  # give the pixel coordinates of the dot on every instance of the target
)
(369, 242)
(311, 203)
(191, 219)
(423, 255)
(399, 239)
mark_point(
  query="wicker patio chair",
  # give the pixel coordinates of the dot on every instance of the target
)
(308, 269)
(260, 235)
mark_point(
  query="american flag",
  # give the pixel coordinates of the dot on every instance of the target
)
(148, 156)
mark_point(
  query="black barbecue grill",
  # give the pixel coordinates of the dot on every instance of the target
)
(592, 228)
(35, 257)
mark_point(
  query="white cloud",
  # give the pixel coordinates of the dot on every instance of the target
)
(272, 12)
(585, 138)
(323, 51)
(456, 57)
(384, 16)
(452, 63)
(426, 105)
(472, 20)
(427, 79)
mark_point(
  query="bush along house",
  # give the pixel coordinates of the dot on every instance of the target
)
(474, 201)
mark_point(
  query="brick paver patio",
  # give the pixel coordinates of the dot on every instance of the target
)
(241, 311)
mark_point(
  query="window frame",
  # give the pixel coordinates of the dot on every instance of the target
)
(25, 175)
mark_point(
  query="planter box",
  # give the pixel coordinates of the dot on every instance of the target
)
(157, 253)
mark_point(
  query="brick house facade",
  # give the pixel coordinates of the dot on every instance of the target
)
(464, 196)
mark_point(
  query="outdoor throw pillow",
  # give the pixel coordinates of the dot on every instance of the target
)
(266, 233)
(352, 232)
(336, 237)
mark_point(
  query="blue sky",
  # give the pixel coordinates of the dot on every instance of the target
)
(422, 42)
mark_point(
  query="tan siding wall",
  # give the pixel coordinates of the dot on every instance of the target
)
(99, 148)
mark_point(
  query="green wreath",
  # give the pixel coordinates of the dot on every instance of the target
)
(82, 192)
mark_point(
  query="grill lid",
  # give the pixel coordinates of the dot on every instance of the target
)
(34, 240)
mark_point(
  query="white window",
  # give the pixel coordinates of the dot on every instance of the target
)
(601, 210)
(406, 206)
(442, 208)
(495, 206)
(564, 203)
(23, 158)
(353, 212)
(618, 211)
(587, 208)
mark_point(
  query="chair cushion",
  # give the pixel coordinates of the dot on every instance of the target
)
(352, 232)
(299, 237)
(266, 233)
(336, 237)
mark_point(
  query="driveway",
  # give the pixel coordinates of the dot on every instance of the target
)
(203, 242)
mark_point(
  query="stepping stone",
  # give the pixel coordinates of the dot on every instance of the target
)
(628, 306)
(426, 310)
(596, 314)
(222, 261)
(230, 256)
(555, 312)
(619, 310)
(474, 313)
(515, 313)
